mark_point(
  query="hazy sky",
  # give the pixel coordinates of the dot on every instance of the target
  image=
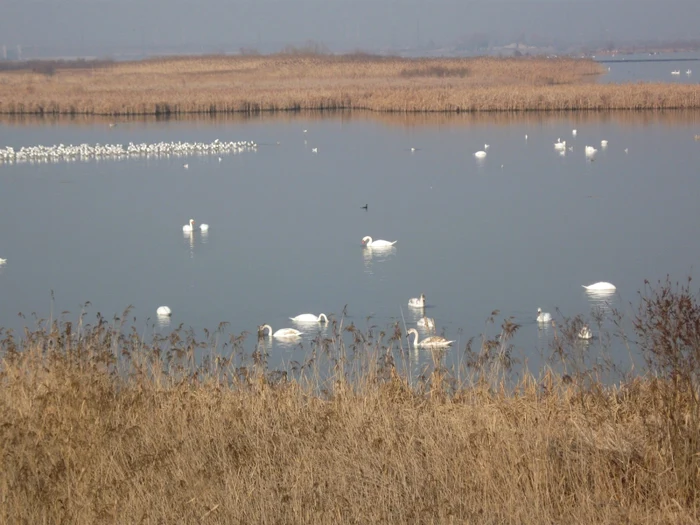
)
(87, 25)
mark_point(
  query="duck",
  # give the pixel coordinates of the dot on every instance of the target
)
(418, 302)
(164, 311)
(600, 286)
(427, 323)
(282, 333)
(585, 332)
(310, 318)
(543, 317)
(434, 341)
(367, 241)
(188, 227)
(204, 227)
(480, 154)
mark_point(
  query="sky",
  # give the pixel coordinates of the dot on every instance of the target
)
(94, 27)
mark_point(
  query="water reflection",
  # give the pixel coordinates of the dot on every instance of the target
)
(376, 255)
(189, 239)
(163, 320)
(600, 300)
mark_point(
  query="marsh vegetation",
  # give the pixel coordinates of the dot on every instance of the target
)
(98, 425)
(291, 82)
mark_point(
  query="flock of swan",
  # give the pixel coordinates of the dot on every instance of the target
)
(560, 146)
(599, 288)
(86, 152)
(678, 72)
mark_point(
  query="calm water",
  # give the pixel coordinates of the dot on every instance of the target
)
(652, 68)
(525, 228)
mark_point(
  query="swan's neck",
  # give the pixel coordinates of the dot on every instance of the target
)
(369, 241)
(414, 333)
(323, 316)
(266, 327)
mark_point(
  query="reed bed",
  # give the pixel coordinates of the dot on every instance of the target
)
(99, 425)
(252, 84)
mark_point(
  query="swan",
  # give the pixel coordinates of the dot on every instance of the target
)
(603, 144)
(573, 132)
(427, 323)
(3, 261)
(689, 72)
(585, 332)
(560, 145)
(590, 151)
(543, 317)
(599, 286)
(188, 227)
(310, 318)
(434, 341)
(204, 227)
(367, 241)
(676, 72)
(417, 301)
(486, 146)
(164, 310)
(480, 154)
(282, 333)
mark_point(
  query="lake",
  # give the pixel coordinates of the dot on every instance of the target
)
(643, 67)
(521, 229)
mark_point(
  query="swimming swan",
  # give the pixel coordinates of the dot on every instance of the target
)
(585, 332)
(434, 341)
(282, 333)
(164, 310)
(188, 227)
(367, 241)
(560, 145)
(543, 317)
(418, 302)
(3, 261)
(590, 151)
(480, 154)
(599, 286)
(204, 227)
(310, 318)
(427, 323)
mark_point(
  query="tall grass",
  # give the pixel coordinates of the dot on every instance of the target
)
(99, 425)
(252, 84)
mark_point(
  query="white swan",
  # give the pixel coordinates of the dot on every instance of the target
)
(486, 146)
(310, 318)
(427, 323)
(435, 341)
(590, 151)
(599, 286)
(560, 145)
(603, 144)
(282, 333)
(204, 227)
(676, 72)
(480, 154)
(3, 261)
(367, 241)
(573, 132)
(164, 310)
(418, 302)
(188, 227)
(543, 317)
(689, 72)
(585, 332)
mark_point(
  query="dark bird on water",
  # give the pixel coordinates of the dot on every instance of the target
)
(364, 207)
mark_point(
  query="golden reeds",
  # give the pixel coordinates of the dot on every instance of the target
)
(250, 84)
(97, 425)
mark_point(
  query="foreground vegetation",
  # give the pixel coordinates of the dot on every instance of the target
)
(251, 84)
(98, 425)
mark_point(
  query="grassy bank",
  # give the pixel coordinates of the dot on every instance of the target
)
(251, 84)
(98, 425)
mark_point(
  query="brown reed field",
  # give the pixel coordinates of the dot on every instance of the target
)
(98, 425)
(293, 82)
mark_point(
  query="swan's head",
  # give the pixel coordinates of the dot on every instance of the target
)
(366, 239)
(539, 311)
(422, 297)
(191, 222)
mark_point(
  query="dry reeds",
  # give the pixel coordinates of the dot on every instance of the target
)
(98, 425)
(251, 84)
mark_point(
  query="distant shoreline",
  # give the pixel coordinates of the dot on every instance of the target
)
(283, 83)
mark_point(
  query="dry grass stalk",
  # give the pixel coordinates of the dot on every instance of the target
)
(97, 425)
(252, 84)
